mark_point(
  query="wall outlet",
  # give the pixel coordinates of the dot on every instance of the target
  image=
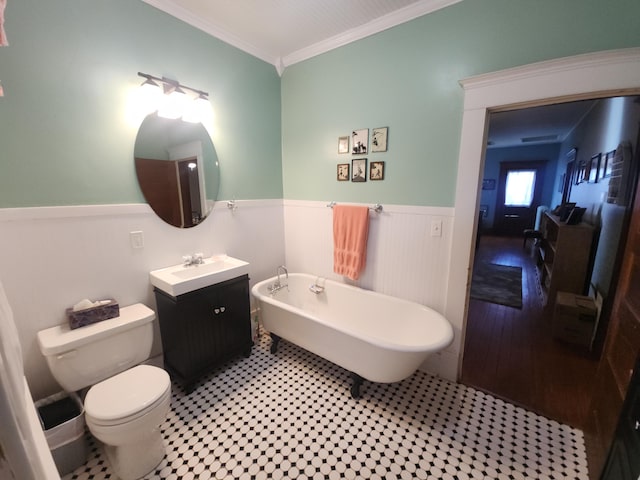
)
(436, 228)
(137, 239)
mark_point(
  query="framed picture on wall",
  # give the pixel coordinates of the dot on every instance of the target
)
(606, 164)
(569, 174)
(376, 171)
(580, 171)
(379, 139)
(343, 172)
(343, 145)
(359, 170)
(594, 168)
(360, 141)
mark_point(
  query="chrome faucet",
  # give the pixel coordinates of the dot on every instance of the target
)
(195, 259)
(286, 272)
(278, 284)
(318, 286)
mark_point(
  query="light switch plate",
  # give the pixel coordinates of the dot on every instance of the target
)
(436, 228)
(137, 239)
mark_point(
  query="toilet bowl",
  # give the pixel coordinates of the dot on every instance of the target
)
(126, 402)
(125, 412)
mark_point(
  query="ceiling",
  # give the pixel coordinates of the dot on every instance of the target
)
(284, 32)
(536, 125)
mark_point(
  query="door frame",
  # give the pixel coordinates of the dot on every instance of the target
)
(588, 76)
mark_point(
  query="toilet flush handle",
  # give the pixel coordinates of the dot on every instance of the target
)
(69, 354)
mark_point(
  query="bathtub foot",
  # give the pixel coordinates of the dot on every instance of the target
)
(275, 339)
(355, 386)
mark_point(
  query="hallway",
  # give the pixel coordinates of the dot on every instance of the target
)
(510, 352)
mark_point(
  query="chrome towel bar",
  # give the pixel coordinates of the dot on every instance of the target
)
(376, 208)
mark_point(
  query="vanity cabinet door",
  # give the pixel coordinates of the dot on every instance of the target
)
(205, 328)
(231, 307)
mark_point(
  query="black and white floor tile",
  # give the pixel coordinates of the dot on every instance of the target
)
(291, 416)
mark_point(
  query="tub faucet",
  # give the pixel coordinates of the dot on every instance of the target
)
(278, 284)
(318, 286)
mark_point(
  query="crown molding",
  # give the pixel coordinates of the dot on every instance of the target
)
(415, 10)
(403, 15)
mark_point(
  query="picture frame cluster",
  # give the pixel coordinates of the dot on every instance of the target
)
(360, 169)
(597, 168)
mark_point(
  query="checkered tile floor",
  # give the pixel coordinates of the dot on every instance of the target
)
(291, 416)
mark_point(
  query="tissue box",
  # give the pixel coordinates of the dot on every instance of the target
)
(92, 315)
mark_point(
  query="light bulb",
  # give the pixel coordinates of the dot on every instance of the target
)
(173, 104)
(197, 110)
(149, 95)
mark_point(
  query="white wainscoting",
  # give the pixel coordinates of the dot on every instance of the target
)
(403, 259)
(51, 257)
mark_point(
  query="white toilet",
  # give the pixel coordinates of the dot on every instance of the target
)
(127, 402)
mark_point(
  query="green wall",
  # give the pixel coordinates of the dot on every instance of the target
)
(69, 74)
(72, 65)
(406, 78)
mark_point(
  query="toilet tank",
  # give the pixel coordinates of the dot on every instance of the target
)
(87, 355)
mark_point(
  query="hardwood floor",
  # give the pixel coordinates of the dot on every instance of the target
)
(511, 354)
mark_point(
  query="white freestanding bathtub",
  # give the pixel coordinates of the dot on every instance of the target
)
(376, 337)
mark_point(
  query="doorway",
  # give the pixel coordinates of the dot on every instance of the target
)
(512, 353)
(612, 72)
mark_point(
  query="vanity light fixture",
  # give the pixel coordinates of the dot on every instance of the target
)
(171, 100)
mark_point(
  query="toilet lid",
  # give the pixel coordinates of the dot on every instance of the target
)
(128, 393)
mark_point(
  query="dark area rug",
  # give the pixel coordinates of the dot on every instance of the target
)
(501, 284)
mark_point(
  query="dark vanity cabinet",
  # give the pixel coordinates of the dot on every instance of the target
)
(204, 328)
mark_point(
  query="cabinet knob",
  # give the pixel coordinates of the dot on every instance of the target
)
(222, 309)
(637, 425)
(216, 311)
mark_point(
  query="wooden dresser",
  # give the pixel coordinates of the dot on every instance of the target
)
(565, 255)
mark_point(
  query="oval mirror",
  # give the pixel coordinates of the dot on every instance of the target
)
(177, 169)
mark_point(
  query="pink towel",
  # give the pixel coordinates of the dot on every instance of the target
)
(3, 37)
(350, 233)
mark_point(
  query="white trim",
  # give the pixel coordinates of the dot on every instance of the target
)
(551, 79)
(118, 210)
(189, 150)
(386, 208)
(240, 204)
(71, 211)
(597, 73)
(398, 17)
(279, 61)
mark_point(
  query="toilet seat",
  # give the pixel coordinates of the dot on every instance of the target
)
(127, 396)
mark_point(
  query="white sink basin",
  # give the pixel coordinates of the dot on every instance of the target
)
(178, 279)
